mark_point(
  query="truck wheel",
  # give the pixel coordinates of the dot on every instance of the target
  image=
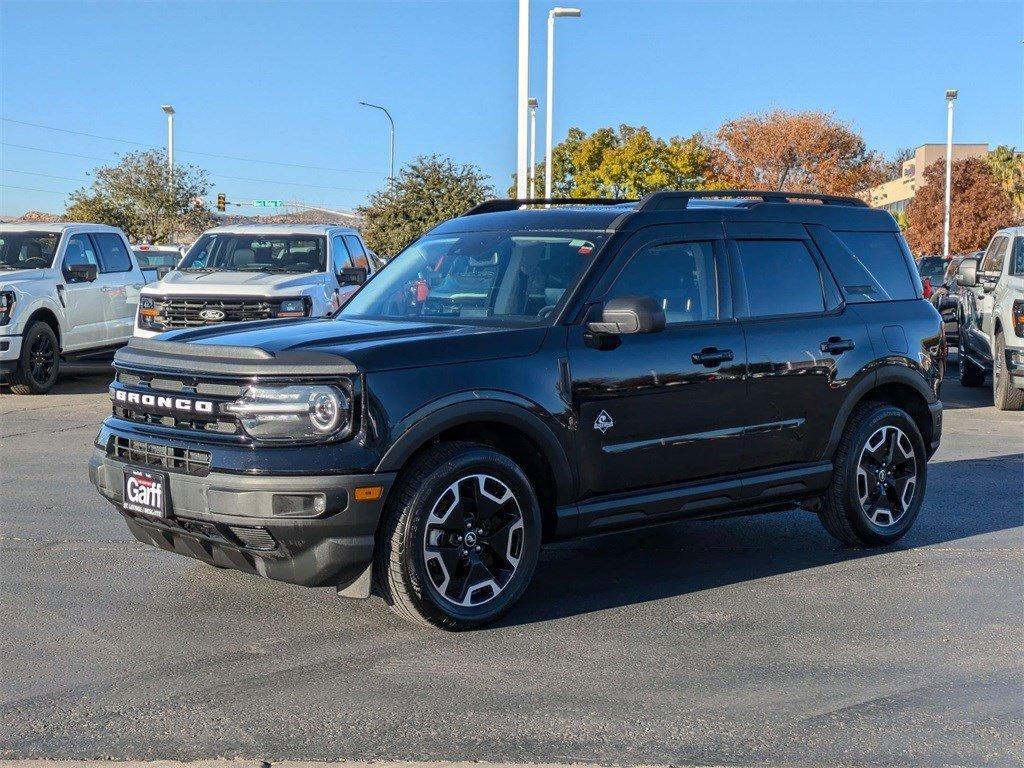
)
(879, 478)
(37, 368)
(971, 375)
(1007, 397)
(460, 537)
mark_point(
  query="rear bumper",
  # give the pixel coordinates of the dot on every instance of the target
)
(229, 520)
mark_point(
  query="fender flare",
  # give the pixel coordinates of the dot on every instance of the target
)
(45, 303)
(890, 373)
(480, 405)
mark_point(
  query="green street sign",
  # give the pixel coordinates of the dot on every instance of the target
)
(267, 203)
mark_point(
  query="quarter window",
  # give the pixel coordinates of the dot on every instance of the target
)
(113, 254)
(880, 271)
(779, 277)
(679, 276)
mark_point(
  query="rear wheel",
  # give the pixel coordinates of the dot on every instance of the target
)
(879, 479)
(460, 539)
(1006, 396)
(971, 375)
(36, 370)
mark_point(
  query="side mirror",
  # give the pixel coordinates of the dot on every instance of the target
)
(352, 275)
(630, 314)
(947, 303)
(82, 273)
(967, 273)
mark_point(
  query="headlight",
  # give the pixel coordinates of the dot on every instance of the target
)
(6, 306)
(293, 308)
(1018, 317)
(149, 315)
(294, 413)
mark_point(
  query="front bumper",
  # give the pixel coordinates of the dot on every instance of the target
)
(1015, 366)
(10, 351)
(144, 334)
(228, 520)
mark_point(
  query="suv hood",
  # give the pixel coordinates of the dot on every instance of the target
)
(370, 345)
(231, 283)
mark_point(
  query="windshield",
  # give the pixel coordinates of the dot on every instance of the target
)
(513, 278)
(932, 267)
(27, 250)
(256, 253)
(151, 259)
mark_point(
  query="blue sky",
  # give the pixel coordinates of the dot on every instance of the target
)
(281, 82)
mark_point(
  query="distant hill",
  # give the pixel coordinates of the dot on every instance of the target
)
(30, 216)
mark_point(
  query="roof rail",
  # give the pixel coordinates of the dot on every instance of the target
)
(667, 201)
(512, 204)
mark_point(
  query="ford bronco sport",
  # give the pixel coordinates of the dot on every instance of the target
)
(527, 373)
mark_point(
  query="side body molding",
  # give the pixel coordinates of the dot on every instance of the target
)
(479, 406)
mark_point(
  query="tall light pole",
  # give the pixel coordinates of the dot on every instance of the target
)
(391, 177)
(950, 99)
(521, 97)
(553, 14)
(169, 111)
(533, 147)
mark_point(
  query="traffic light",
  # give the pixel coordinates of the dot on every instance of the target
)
(222, 201)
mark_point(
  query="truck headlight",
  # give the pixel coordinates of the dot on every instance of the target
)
(149, 314)
(6, 306)
(294, 413)
(1018, 317)
(293, 308)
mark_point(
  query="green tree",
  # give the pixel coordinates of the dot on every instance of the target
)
(628, 162)
(426, 192)
(1007, 166)
(134, 196)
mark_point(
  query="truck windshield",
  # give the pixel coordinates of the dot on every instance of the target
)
(228, 252)
(932, 267)
(27, 250)
(488, 277)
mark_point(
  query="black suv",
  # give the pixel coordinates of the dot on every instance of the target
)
(526, 373)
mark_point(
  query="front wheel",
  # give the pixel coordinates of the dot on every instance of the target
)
(36, 371)
(879, 478)
(1006, 396)
(460, 539)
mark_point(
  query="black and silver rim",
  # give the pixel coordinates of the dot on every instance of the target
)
(42, 358)
(887, 476)
(997, 368)
(473, 540)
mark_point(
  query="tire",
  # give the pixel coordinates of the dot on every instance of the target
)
(847, 512)
(1006, 396)
(39, 365)
(971, 375)
(433, 567)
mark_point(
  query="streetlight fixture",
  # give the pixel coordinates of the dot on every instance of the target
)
(391, 177)
(532, 103)
(951, 95)
(553, 14)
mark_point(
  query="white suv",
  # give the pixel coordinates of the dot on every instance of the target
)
(66, 291)
(257, 272)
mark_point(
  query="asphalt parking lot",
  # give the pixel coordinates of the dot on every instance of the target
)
(749, 641)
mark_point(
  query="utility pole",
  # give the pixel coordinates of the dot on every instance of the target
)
(169, 111)
(950, 99)
(391, 178)
(522, 96)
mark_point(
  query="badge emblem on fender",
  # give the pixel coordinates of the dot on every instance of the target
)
(603, 422)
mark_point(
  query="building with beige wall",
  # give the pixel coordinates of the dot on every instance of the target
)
(894, 195)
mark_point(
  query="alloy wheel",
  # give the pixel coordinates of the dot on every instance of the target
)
(42, 358)
(887, 476)
(473, 540)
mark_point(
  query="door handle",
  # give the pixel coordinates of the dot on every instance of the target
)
(709, 357)
(836, 345)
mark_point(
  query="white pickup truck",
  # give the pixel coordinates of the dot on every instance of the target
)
(67, 291)
(991, 318)
(257, 272)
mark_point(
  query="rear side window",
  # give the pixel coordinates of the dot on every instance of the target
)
(869, 266)
(779, 277)
(113, 255)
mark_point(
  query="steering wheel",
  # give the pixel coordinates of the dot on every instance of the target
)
(36, 262)
(545, 312)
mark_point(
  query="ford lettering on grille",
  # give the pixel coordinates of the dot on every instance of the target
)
(162, 403)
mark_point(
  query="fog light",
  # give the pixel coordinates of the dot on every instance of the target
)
(299, 505)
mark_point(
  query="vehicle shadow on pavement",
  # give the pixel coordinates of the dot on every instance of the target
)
(77, 379)
(686, 557)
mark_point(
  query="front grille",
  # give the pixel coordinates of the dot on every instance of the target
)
(156, 455)
(163, 384)
(184, 311)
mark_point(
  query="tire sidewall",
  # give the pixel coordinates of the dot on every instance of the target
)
(35, 330)
(867, 530)
(421, 588)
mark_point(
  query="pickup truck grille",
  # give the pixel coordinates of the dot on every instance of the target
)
(185, 312)
(163, 456)
(179, 386)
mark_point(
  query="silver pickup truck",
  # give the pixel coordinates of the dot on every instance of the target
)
(991, 318)
(66, 291)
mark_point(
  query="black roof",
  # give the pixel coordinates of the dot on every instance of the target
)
(664, 207)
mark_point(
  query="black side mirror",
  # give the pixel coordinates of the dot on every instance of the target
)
(967, 273)
(630, 314)
(82, 273)
(352, 275)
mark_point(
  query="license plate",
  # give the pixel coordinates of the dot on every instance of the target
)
(145, 493)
